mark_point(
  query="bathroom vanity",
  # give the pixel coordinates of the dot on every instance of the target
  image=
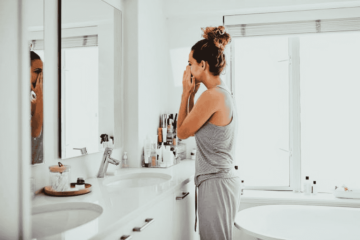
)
(159, 203)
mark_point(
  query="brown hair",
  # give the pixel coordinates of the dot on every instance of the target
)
(211, 48)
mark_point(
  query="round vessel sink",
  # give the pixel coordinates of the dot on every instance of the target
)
(53, 219)
(135, 180)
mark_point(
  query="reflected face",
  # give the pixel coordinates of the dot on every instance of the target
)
(196, 69)
(36, 69)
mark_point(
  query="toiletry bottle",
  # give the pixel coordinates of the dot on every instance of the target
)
(124, 161)
(193, 154)
(307, 186)
(147, 151)
(162, 158)
(153, 157)
(175, 140)
(170, 131)
(164, 128)
(160, 135)
(314, 188)
(242, 187)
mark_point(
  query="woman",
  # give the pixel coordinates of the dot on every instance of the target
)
(36, 82)
(213, 121)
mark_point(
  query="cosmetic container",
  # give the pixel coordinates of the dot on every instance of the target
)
(162, 153)
(181, 150)
(307, 186)
(160, 135)
(314, 190)
(80, 183)
(169, 137)
(147, 151)
(124, 161)
(60, 177)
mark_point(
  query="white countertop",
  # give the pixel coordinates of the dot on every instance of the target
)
(119, 205)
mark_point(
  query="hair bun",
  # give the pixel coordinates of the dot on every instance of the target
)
(217, 35)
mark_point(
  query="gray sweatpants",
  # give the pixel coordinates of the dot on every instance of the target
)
(218, 204)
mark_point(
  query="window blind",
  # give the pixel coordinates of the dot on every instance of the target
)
(294, 27)
(69, 42)
(79, 41)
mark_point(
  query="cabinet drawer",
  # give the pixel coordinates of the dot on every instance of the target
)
(159, 228)
(184, 213)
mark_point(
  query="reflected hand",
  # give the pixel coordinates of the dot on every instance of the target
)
(37, 107)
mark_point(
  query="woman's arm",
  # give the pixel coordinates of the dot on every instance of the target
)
(205, 107)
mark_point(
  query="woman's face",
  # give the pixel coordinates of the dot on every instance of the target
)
(36, 69)
(196, 68)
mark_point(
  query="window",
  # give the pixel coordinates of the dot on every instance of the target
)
(330, 109)
(262, 98)
(297, 94)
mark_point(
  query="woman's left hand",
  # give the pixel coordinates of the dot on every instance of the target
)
(188, 81)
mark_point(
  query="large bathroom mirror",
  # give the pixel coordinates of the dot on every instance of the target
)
(90, 74)
(37, 58)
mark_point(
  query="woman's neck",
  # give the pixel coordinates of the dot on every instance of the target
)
(212, 81)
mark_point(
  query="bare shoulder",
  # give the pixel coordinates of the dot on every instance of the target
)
(212, 94)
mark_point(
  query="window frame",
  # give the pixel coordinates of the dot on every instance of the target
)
(294, 81)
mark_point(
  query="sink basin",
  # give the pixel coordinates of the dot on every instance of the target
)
(135, 180)
(53, 219)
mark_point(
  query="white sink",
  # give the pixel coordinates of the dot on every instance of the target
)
(135, 180)
(52, 219)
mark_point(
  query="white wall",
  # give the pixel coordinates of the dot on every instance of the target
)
(146, 73)
(15, 124)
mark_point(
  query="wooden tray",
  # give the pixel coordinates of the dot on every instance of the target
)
(49, 191)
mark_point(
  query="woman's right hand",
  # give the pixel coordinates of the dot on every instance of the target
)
(197, 86)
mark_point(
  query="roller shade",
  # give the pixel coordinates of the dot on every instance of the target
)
(295, 27)
(69, 42)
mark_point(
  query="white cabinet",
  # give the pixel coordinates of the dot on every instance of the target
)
(161, 228)
(173, 219)
(184, 213)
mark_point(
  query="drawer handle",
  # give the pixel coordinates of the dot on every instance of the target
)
(183, 196)
(125, 237)
(148, 222)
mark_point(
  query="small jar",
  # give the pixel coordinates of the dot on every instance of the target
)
(60, 177)
(80, 183)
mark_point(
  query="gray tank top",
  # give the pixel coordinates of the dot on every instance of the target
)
(215, 148)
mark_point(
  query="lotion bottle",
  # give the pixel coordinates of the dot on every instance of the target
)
(314, 188)
(147, 151)
(307, 186)
(242, 187)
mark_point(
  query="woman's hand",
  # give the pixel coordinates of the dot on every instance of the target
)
(188, 81)
(197, 86)
(37, 107)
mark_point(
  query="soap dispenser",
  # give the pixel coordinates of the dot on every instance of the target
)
(124, 161)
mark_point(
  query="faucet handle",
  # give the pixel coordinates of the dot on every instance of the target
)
(114, 161)
(83, 150)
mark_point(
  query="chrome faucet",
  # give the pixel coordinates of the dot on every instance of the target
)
(105, 162)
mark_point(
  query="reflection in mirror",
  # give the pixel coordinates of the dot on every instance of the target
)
(88, 53)
(36, 48)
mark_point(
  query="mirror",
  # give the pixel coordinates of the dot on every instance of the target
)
(36, 49)
(90, 72)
